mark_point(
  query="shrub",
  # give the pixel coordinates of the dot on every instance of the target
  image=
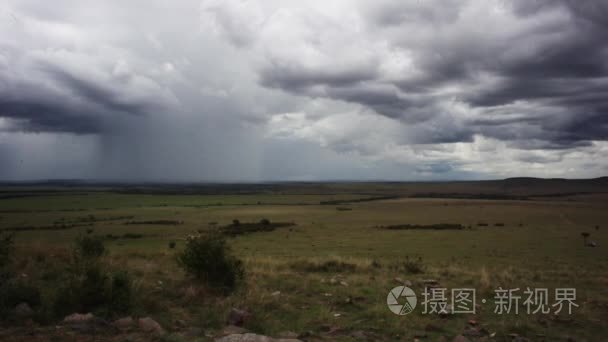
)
(89, 247)
(265, 222)
(88, 286)
(246, 228)
(132, 236)
(14, 292)
(209, 259)
(83, 290)
(331, 266)
(172, 244)
(121, 294)
(413, 266)
(6, 249)
(92, 291)
(65, 301)
(236, 222)
(6, 255)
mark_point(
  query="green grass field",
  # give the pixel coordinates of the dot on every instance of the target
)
(537, 244)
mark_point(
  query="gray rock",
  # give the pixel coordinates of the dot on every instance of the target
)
(233, 329)
(23, 310)
(149, 325)
(430, 282)
(78, 318)
(86, 323)
(124, 323)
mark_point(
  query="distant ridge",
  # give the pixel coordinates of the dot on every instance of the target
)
(604, 178)
(515, 188)
(527, 181)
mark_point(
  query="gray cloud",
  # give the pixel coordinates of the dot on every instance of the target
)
(550, 54)
(263, 90)
(52, 92)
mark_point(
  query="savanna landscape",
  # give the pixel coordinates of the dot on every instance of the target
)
(309, 261)
(304, 171)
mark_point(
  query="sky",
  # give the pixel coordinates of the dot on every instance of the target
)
(279, 90)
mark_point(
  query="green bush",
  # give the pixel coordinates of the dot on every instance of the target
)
(121, 293)
(83, 290)
(413, 266)
(132, 236)
(6, 256)
(330, 266)
(13, 292)
(89, 247)
(100, 292)
(93, 287)
(87, 286)
(65, 301)
(209, 259)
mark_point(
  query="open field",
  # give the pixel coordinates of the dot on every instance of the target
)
(328, 276)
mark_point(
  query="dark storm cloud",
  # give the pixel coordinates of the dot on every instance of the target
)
(557, 63)
(48, 97)
(384, 100)
(101, 95)
(37, 115)
(84, 109)
(593, 11)
(278, 89)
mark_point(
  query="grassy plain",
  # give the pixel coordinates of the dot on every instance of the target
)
(538, 244)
